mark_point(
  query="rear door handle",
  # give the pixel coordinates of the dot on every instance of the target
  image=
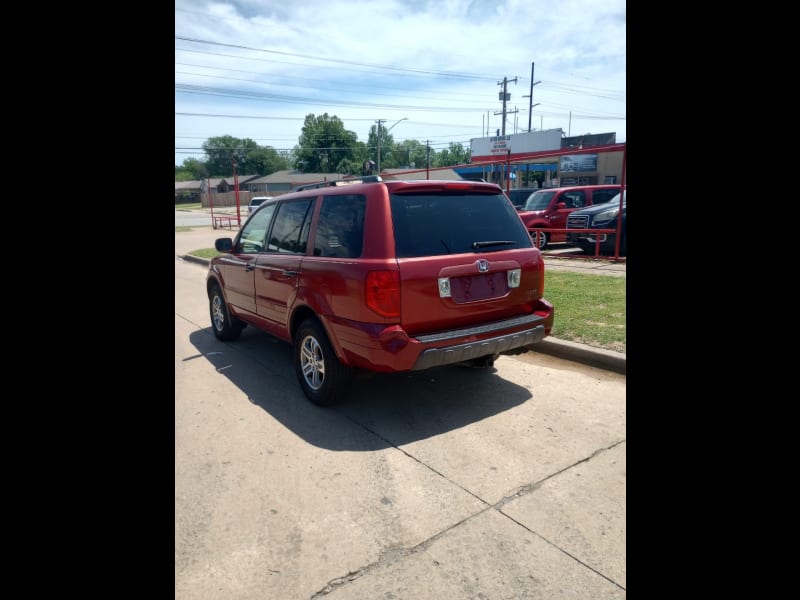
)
(249, 267)
(291, 273)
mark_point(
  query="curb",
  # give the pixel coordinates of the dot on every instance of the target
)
(194, 259)
(587, 355)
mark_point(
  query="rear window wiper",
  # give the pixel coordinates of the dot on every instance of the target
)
(476, 245)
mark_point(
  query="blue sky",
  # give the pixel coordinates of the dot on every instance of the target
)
(255, 68)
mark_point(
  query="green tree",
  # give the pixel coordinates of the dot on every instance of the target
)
(409, 154)
(190, 170)
(264, 160)
(454, 154)
(221, 152)
(323, 144)
(387, 143)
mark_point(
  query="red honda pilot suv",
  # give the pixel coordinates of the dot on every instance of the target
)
(382, 276)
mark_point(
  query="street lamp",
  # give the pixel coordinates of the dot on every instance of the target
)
(379, 121)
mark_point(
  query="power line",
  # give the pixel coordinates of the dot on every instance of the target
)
(328, 88)
(341, 61)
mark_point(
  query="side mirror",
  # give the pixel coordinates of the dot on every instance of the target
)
(223, 244)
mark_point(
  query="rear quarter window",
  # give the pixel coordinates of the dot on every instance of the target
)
(340, 232)
(451, 223)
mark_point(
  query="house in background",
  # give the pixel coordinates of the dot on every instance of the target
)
(227, 184)
(281, 182)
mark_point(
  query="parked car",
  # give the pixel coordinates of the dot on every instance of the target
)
(385, 276)
(600, 216)
(549, 209)
(255, 202)
(520, 195)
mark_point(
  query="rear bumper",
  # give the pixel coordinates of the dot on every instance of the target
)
(448, 355)
(389, 348)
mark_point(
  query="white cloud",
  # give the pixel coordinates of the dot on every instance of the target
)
(436, 63)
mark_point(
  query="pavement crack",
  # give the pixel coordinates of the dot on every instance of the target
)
(526, 489)
(530, 487)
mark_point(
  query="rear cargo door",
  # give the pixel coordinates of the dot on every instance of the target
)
(458, 253)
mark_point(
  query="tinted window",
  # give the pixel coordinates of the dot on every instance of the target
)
(602, 196)
(251, 240)
(430, 225)
(290, 230)
(519, 196)
(340, 231)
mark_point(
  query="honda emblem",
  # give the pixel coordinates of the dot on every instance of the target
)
(483, 266)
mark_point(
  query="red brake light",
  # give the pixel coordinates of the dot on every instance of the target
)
(457, 186)
(541, 279)
(383, 293)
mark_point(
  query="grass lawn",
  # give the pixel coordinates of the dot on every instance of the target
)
(589, 309)
(189, 206)
(205, 253)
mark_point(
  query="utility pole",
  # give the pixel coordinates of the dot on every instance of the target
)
(378, 167)
(505, 96)
(530, 101)
(428, 159)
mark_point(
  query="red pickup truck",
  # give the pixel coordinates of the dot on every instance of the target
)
(549, 209)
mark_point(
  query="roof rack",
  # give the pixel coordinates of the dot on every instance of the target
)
(338, 182)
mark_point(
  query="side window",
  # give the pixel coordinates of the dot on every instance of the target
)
(290, 229)
(602, 196)
(340, 232)
(251, 240)
(575, 199)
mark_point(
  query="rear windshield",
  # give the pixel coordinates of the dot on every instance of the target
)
(451, 223)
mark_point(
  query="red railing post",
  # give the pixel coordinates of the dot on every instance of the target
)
(236, 192)
(211, 205)
(621, 199)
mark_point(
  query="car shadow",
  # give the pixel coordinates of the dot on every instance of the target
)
(387, 409)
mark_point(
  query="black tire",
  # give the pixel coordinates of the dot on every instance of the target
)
(543, 239)
(589, 249)
(323, 379)
(225, 328)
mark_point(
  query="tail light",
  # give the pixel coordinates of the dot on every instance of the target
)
(541, 279)
(383, 293)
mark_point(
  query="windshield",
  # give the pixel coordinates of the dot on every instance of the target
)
(538, 200)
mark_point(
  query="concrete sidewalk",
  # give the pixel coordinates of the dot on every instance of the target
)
(203, 237)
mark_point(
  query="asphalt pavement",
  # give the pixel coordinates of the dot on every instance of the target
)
(204, 236)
